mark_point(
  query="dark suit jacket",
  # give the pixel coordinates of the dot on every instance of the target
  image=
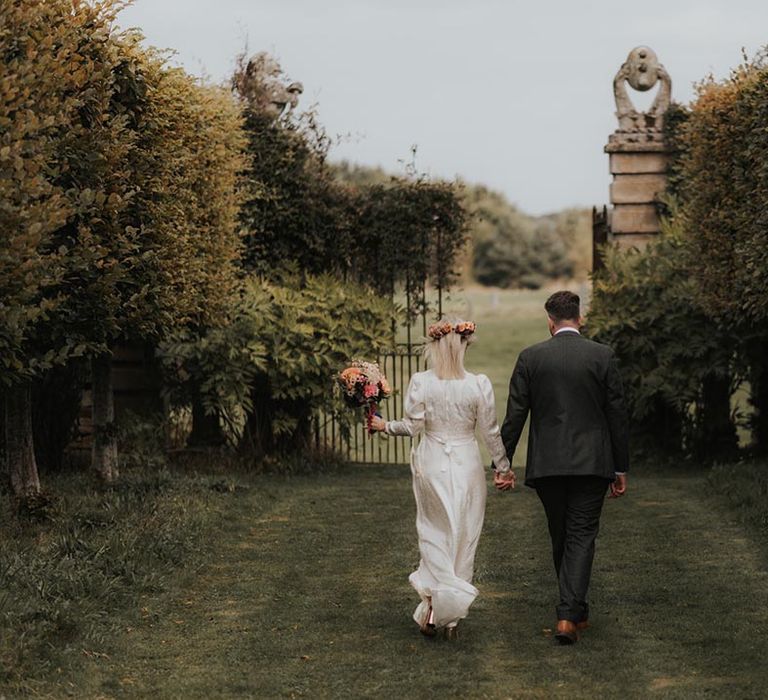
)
(573, 390)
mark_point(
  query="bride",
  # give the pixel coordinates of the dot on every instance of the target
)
(445, 405)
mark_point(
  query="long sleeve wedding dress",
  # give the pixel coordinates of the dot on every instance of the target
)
(449, 483)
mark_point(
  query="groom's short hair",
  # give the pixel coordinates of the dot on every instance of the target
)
(563, 306)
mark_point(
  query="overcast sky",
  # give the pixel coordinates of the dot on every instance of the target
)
(516, 95)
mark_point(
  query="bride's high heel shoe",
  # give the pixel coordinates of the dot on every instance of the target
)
(427, 626)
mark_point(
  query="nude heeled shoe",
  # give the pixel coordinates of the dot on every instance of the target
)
(427, 626)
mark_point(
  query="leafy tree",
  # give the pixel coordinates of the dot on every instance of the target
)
(512, 249)
(360, 176)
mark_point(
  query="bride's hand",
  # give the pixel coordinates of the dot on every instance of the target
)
(378, 424)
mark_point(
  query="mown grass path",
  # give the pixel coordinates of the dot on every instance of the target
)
(306, 595)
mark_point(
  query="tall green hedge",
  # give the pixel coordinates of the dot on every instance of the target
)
(724, 188)
(119, 202)
(722, 173)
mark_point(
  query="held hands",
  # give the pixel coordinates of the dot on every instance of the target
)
(505, 481)
(618, 487)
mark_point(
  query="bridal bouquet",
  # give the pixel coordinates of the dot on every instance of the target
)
(363, 385)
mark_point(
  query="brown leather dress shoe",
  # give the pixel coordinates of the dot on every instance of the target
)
(567, 633)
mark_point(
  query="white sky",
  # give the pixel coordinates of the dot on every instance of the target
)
(516, 95)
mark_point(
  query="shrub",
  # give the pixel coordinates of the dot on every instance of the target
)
(265, 372)
(410, 233)
(677, 361)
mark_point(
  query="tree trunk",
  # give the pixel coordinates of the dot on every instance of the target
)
(104, 453)
(301, 440)
(206, 431)
(259, 439)
(19, 443)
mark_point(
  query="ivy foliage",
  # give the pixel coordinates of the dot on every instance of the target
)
(389, 234)
(295, 213)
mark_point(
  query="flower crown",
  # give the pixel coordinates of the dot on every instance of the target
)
(440, 330)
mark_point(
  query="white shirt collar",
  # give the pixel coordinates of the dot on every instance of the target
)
(567, 329)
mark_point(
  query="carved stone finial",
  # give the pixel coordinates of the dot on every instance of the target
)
(642, 71)
(262, 83)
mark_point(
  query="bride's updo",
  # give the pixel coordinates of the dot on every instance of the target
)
(446, 346)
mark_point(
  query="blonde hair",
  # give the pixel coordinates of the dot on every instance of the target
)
(445, 355)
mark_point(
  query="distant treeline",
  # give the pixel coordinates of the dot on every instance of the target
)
(507, 247)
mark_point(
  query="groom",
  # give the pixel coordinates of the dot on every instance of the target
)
(577, 448)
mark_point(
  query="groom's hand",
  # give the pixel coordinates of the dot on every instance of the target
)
(505, 481)
(619, 487)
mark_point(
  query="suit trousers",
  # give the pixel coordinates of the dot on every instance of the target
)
(573, 505)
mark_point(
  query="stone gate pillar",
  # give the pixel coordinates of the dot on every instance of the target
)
(638, 156)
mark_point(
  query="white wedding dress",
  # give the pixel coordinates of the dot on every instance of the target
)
(449, 483)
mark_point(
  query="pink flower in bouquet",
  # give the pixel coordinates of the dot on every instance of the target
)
(370, 391)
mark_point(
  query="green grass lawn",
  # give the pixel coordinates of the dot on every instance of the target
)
(305, 594)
